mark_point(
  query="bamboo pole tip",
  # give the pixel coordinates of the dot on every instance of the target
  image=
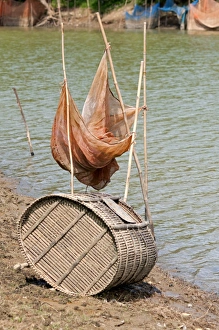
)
(98, 16)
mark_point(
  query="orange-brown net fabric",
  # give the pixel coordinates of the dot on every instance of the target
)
(97, 136)
(15, 13)
(204, 15)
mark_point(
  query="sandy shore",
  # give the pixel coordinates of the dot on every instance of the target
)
(161, 301)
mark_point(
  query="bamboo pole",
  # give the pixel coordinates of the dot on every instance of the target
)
(121, 103)
(145, 108)
(25, 123)
(113, 71)
(147, 209)
(68, 114)
(67, 102)
(134, 133)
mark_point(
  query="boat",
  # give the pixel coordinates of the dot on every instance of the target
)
(203, 15)
(141, 14)
(83, 243)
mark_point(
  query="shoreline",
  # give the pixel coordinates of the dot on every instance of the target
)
(76, 18)
(160, 301)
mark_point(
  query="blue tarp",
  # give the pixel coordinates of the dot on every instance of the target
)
(170, 6)
(140, 12)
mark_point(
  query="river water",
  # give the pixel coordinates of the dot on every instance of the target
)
(182, 129)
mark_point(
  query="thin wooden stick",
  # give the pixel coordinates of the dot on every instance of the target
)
(145, 109)
(67, 101)
(25, 123)
(68, 115)
(147, 209)
(134, 132)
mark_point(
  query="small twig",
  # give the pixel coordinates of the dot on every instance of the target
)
(46, 303)
(27, 130)
(200, 317)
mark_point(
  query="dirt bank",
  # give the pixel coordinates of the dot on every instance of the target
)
(84, 18)
(115, 20)
(27, 302)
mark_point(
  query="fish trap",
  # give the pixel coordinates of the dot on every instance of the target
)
(83, 244)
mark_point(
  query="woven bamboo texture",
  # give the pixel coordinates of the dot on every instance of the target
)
(83, 244)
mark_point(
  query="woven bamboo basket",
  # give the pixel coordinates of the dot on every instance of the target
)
(83, 244)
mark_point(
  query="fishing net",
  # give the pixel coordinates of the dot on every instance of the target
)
(203, 15)
(141, 14)
(97, 136)
(171, 7)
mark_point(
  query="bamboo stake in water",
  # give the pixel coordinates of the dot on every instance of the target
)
(147, 209)
(134, 132)
(145, 109)
(25, 123)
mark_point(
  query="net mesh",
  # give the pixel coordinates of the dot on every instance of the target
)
(15, 13)
(97, 136)
(203, 15)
